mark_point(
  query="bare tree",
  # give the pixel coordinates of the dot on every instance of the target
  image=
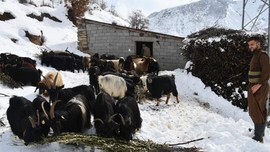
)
(76, 9)
(113, 10)
(103, 4)
(138, 20)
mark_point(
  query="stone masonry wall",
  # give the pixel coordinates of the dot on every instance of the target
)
(122, 42)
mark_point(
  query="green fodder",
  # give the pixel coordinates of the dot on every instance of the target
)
(115, 145)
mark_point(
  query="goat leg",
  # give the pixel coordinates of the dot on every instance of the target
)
(177, 99)
(158, 100)
(168, 97)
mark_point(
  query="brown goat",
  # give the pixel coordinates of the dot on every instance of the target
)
(118, 64)
(141, 65)
(51, 79)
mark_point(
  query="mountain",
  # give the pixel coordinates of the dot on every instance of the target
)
(186, 19)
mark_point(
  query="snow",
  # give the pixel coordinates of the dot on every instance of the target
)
(200, 113)
(97, 14)
(185, 19)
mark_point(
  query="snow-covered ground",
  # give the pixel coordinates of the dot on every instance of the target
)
(200, 114)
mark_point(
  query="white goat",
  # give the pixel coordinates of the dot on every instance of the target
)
(115, 86)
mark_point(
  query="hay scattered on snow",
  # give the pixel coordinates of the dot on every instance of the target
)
(111, 144)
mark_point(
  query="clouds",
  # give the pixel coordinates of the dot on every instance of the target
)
(125, 7)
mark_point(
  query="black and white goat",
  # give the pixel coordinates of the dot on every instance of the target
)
(74, 116)
(160, 85)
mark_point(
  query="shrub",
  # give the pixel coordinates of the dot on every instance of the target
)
(138, 20)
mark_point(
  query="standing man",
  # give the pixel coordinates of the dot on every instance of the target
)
(145, 51)
(258, 88)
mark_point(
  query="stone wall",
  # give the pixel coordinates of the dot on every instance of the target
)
(121, 41)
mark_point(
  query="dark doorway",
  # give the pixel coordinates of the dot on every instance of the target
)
(139, 47)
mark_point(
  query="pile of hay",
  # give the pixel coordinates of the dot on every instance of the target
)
(6, 80)
(111, 144)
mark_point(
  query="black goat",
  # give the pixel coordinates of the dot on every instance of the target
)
(94, 72)
(8, 58)
(153, 67)
(24, 120)
(60, 61)
(159, 85)
(128, 117)
(24, 75)
(103, 115)
(12, 59)
(129, 64)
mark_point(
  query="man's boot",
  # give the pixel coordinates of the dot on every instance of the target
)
(259, 132)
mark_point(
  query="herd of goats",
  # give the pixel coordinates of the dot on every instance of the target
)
(116, 86)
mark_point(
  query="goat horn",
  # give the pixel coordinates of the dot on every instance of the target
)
(46, 81)
(36, 88)
(122, 119)
(52, 109)
(38, 117)
(54, 81)
(111, 118)
(33, 123)
(99, 120)
(43, 109)
(129, 120)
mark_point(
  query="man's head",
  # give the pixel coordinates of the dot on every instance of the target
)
(254, 43)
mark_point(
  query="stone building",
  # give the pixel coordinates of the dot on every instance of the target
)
(97, 37)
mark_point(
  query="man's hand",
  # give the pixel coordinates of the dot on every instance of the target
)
(255, 88)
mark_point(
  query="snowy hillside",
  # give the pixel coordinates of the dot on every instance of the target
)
(200, 113)
(97, 14)
(186, 19)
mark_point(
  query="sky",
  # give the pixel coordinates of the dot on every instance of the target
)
(125, 7)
